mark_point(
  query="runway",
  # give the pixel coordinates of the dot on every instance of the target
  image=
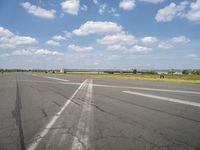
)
(58, 112)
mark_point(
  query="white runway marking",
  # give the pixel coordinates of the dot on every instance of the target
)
(81, 139)
(165, 98)
(40, 136)
(125, 87)
(148, 89)
(55, 78)
(36, 81)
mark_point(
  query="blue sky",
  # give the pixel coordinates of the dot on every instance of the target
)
(102, 34)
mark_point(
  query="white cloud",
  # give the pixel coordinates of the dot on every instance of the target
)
(119, 38)
(99, 27)
(77, 48)
(10, 40)
(194, 56)
(149, 40)
(173, 42)
(171, 11)
(84, 8)
(165, 45)
(136, 49)
(58, 38)
(180, 40)
(166, 14)
(71, 6)
(37, 52)
(116, 47)
(38, 11)
(153, 1)
(96, 2)
(194, 12)
(52, 43)
(127, 4)
(102, 8)
(5, 32)
(55, 41)
(113, 12)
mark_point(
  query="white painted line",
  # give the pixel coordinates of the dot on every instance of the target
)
(40, 136)
(148, 89)
(165, 98)
(81, 139)
(127, 87)
(55, 78)
(36, 81)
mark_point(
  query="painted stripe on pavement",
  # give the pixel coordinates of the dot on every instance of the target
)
(164, 98)
(40, 136)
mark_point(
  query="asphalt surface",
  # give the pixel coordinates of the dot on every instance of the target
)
(57, 112)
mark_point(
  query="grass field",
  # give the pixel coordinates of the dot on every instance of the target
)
(194, 79)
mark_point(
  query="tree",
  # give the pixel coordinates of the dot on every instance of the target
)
(134, 71)
(186, 72)
(195, 72)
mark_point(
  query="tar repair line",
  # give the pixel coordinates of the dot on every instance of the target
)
(164, 98)
(81, 139)
(40, 136)
(55, 78)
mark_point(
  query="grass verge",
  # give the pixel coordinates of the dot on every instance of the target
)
(194, 79)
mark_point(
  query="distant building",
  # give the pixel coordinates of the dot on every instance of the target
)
(177, 72)
(162, 72)
(62, 70)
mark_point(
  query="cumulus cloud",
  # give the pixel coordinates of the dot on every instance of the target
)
(38, 11)
(116, 47)
(99, 27)
(55, 41)
(71, 6)
(36, 52)
(58, 38)
(136, 49)
(153, 1)
(165, 45)
(169, 12)
(52, 43)
(194, 12)
(127, 4)
(149, 40)
(180, 40)
(173, 42)
(10, 40)
(5, 32)
(118, 38)
(78, 48)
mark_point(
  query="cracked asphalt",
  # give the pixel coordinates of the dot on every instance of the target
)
(95, 114)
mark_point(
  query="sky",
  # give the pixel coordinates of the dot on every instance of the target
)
(100, 34)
